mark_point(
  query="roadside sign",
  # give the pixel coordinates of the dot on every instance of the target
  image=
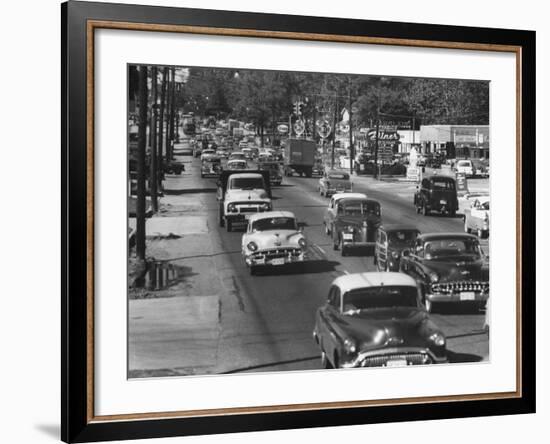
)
(323, 129)
(299, 127)
(413, 173)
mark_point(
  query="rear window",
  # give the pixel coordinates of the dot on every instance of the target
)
(247, 183)
(359, 208)
(464, 163)
(338, 176)
(443, 184)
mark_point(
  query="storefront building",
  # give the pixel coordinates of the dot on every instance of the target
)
(456, 141)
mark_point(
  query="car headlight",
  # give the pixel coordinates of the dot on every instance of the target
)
(231, 208)
(302, 242)
(438, 339)
(434, 277)
(266, 207)
(349, 346)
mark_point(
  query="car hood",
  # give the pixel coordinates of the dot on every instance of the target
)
(400, 327)
(274, 239)
(244, 195)
(458, 269)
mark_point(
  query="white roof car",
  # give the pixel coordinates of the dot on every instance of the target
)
(339, 196)
(270, 214)
(355, 281)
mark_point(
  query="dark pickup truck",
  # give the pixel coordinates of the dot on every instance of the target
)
(437, 193)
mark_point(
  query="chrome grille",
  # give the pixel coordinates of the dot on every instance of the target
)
(382, 360)
(277, 253)
(458, 286)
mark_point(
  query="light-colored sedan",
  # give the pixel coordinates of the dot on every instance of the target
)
(272, 239)
(334, 181)
(476, 217)
(237, 164)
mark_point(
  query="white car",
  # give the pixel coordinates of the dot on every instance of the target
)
(465, 167)
(237, 155)
(272, 238)
(208, 153)
(237, 164)
(476, 217)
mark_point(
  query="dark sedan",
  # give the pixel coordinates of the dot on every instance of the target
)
(449, 267)
(376, 320)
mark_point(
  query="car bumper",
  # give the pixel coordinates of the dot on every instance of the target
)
(331, 191)
(263, 260)
(457, 297)
(395, 356)
(349, 241)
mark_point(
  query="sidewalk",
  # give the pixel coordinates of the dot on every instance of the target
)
(174, 317)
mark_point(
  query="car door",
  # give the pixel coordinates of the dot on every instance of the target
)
(326, 316)
(382, 246)
(329, 213)
(476, 216)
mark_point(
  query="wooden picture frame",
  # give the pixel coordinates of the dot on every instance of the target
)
(79, 22)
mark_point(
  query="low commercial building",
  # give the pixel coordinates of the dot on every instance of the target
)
(456, 141)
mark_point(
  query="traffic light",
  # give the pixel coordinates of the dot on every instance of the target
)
(298, 108)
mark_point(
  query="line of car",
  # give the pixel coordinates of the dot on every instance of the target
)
(373, 318)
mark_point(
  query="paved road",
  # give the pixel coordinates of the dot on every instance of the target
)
(265, 322)
(272, 328)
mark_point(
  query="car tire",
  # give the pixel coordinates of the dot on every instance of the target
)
(452, 213)
(429, 305)
(482, 234)
(229, 225)
(327, 230)
(253, 270)
(335, 242)
(342, 247)
(466, 228)
(221, 220)
(325, 363)
(425, 210)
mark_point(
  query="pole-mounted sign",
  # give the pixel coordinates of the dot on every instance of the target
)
(323, 129)
(299, 127)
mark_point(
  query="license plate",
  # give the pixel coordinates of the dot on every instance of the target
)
(467, 296)
(348, 236)
(278, 261)
(443, 201)
(396, 363)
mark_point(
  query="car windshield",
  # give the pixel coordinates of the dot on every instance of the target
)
(442, 184)
(247, 183)
(274, 223)
(237, 156)
(360, 208)
(386, 296)
(402, 235)
(435, 249)
(338, 176)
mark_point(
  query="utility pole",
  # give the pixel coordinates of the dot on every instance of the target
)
(376, 143)
(334, 130)
(142, 139)
(153, 151)
(351, 147)
(161, 117)
(172, 108)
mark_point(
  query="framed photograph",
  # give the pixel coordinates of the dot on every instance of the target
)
(275, 221)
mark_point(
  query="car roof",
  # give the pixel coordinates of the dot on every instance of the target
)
(398, 227)
(354, 281)
(439, 236)
(269, 214)
(245, 175)
(339, 196)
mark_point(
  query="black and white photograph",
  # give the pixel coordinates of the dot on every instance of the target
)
(288, 221)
